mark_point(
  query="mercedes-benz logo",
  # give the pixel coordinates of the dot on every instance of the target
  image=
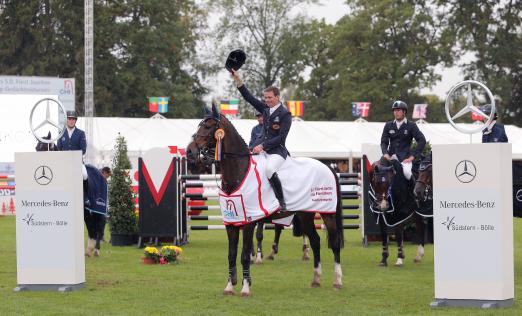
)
(518, 196)
(57, 124)
(465, 171)
(454, 96)
(43, 175)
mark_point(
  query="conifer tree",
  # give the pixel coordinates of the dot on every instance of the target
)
(121, 197)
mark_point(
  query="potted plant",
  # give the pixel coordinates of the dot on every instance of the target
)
(151, 255)
(122, 220)
(169, 254)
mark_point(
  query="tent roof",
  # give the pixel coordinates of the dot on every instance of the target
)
(318, 139)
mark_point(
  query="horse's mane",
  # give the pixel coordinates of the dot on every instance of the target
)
(231, 127)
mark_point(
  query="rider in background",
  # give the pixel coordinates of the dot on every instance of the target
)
(73, 138)
(494, 132)
(397, 137)
(257, 131)
(276, 125)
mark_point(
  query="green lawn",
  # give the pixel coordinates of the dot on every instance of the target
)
(118, 284)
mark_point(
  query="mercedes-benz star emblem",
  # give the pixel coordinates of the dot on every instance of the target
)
(465, 171)
(470, 107)
(518, 196)
(43, 175)
(57, 124)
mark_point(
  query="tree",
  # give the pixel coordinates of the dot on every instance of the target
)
(267, 33)
(142, 48)
(385, 50)
(121, 197)
(492, 31)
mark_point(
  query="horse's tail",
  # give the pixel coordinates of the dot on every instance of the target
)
(297, 231)
(338, 213)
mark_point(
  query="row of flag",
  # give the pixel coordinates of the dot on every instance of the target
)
(296, 108)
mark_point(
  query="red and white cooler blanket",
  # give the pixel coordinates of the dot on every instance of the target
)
(308, 185)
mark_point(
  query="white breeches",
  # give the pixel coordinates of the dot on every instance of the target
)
(273, 163)
(406, 169)
(84, 172)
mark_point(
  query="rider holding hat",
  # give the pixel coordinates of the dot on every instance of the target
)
(397, 137)
(257, 131)
(73, 138)
(276, 125)
(494, 132)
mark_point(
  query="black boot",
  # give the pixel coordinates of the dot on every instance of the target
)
(278, 190)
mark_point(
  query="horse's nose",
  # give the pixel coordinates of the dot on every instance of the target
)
(383, 205)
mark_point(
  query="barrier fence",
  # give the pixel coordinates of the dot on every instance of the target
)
(197, 189)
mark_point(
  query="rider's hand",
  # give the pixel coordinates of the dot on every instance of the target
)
(409, 159)
(258, 149)
(237, 78)
(387, 157)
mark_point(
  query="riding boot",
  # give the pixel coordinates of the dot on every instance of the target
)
(278, 190)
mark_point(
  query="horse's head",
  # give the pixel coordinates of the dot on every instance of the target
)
(195, 164)
(203, 145)
(424, 183)
(381, 178)
(41, 146)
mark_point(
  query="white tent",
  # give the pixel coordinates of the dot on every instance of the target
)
(318, 139)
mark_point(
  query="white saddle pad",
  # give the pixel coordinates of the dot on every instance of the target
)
(308, 186)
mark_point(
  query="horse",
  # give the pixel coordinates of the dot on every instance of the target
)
(197, 166)
(394, 205)
(216, 132)
(94, 187)
(423, 192)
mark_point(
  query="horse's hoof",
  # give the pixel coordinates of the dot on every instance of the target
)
(270, 257)
(315, 284)
(259, 261)
(96, 253)
(338, 286)
(245, 294)
(228, 292)
(383, 264)
(306, 257)
(417, 259)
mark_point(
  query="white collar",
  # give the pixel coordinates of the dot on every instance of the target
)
(272, 109)
(70, 131)
(399, 124)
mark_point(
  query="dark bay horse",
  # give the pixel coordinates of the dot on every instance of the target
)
(196, 165)
(424, 197)
(393, 203)
(234, 166)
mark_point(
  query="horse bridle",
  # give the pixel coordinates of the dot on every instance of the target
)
(383, 175)
(427, 187)
(208, 151)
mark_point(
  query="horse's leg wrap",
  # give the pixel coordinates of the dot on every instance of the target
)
(232, 275)
(246, 276)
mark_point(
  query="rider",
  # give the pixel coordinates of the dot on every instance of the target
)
(257, 131)
(73, 138)
(494, 132)
(276, 125)
(397, 137)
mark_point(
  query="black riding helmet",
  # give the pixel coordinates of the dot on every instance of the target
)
(400, 105)
(235, 60)
(486, 108)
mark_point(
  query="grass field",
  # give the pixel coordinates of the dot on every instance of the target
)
(118, 284)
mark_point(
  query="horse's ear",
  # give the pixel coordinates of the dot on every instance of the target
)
(49, 135)
(215, 112)
(206, 111)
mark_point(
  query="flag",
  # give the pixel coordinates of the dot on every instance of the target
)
(296, 108)
(419, 111)
(476, 117)
(361, 109)
(153, 104)
(230, 106)
(355, 110)
(163, 105)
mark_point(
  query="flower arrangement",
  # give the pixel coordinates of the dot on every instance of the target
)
(167, 254)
